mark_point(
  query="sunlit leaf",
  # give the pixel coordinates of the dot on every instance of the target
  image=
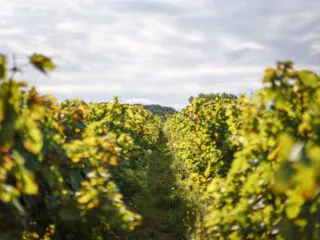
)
(293, 205)
(33, 140)
(42, 63)
(308, 78)
(3, 67)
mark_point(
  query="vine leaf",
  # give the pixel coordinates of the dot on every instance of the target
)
(3, 65)
(42, 63)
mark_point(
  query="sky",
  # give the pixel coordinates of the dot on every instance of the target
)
(158, 51)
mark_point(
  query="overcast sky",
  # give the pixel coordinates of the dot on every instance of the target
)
(159, 51)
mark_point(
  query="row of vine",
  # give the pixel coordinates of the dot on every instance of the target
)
(71, 170)
(249, 168)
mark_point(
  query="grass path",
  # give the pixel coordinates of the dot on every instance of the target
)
(159, 221)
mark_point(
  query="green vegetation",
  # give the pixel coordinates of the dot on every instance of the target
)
(250, 168)
(213, 96)
(159, 110)
(225, 167)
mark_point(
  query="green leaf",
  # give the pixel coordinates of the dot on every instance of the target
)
(280, 102)
(286, 143)
(3, 67)
(269, 75)
(308, 78)
(25, 179)
(283, 176)
(26, 182)
(42, 63)
(8, 127)
(294, 205)
(33, 139)
(8, 192)
(313, 152)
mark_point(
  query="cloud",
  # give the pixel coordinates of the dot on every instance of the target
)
(138, 100)
(158, 51)
(83, 88)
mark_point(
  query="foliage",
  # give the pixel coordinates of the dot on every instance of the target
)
(213, 96)
(200, 139)
(56, 160)
(242, 168)
(137, 132)
(272, 188)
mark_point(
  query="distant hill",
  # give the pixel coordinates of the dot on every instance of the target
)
(157, 109)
